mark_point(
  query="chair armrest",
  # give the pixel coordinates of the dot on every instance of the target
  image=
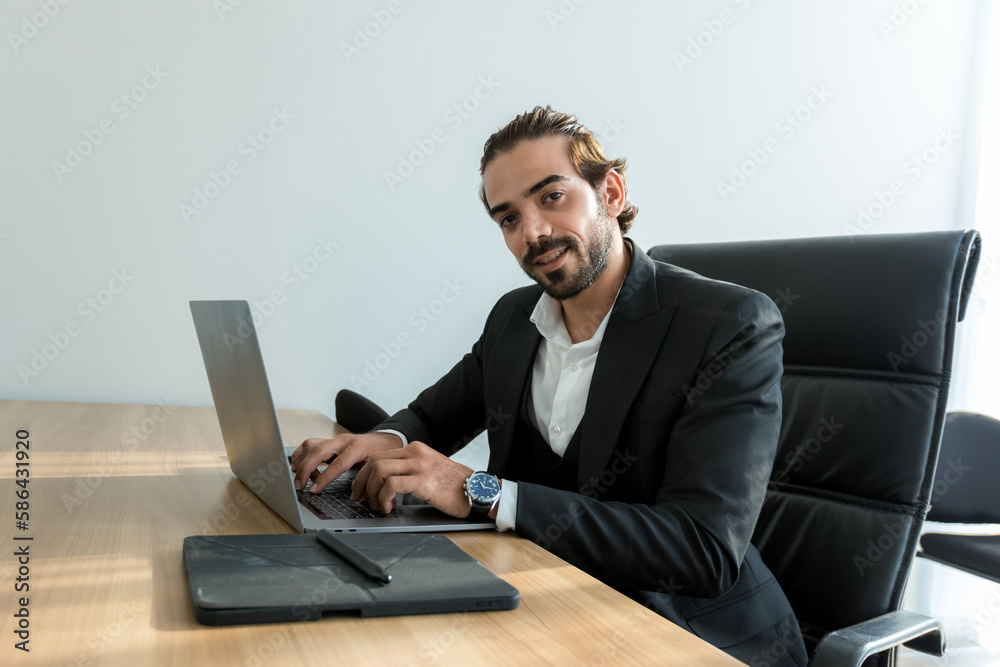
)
(356, 413)
(851, 645)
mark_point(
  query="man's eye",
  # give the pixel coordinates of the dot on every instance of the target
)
(552, 196)
(506, 221)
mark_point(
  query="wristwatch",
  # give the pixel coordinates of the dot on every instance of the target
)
(483, 491)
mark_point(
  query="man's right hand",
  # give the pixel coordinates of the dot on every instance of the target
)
(343, 452)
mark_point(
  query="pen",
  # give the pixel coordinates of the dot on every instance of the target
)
(370, 568)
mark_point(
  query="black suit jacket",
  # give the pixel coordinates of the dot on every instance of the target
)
(678, 439)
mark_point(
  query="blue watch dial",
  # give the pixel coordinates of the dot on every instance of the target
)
(483, 488)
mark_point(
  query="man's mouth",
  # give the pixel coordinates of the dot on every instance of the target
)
(548, 258)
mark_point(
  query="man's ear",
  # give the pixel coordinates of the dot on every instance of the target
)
(613, 192)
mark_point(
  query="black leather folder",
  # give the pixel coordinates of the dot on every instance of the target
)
(237, 579)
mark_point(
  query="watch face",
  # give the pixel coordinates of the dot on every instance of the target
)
(483, 488)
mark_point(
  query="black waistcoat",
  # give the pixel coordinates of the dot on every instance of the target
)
(532, 460)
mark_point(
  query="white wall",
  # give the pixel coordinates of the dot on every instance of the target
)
(891, 90)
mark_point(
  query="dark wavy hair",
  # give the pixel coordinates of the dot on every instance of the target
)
(585, 152)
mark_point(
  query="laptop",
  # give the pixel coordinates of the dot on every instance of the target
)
(256, 451)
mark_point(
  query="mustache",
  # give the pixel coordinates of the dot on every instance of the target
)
(546, 245)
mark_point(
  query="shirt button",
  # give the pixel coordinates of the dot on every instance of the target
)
(572, 367)
(556, 430)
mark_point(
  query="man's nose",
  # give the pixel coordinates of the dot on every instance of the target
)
(534, 227)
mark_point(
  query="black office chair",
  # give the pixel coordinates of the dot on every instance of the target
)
(870, 326)
(967, 490)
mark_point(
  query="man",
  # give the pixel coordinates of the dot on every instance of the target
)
(633, 408)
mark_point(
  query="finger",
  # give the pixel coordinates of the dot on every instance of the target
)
(360, 482)
(393, 485)
(351, 453)
(359, 485)
(300, 451)
(316, 453)
(333, 470)
(386, 477)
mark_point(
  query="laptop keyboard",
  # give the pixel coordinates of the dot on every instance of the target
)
(335, 503)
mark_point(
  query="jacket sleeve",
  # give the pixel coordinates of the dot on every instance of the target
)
(450, 413)
(692, 539)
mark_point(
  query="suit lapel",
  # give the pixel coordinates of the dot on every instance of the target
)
(514, 354)
(631, 341)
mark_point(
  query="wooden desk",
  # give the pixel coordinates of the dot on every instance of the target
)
(114, 489)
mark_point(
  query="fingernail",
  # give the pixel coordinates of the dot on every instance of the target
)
(298, 485)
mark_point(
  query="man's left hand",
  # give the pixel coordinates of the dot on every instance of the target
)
(418, 470)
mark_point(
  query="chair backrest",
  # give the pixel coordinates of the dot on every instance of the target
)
(869, 332)
(967, 483)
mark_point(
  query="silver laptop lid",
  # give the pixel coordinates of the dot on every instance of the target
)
(243, 402)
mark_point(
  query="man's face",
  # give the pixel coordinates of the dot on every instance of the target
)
(552, 221)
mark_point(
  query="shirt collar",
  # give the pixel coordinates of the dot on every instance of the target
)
(547, 317)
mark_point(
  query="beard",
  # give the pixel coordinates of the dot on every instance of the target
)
(560, 283)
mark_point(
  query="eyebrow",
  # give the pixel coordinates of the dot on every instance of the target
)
(554, 178)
